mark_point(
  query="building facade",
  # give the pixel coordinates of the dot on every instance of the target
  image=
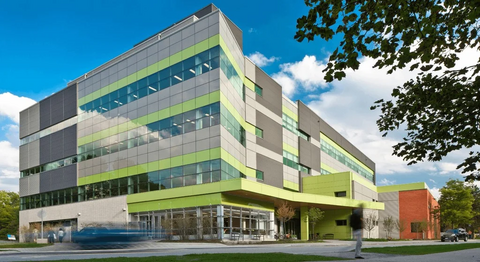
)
(184, 136)
(414, 206)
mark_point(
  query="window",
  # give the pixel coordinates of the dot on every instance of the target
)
(259, 175)
(303, 135)
(341, 194)
(258, 132)
(415, 227)
(341, 222)
(258, 90)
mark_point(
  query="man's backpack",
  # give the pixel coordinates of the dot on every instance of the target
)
(355, 221)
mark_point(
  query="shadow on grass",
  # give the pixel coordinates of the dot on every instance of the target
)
(421, 250)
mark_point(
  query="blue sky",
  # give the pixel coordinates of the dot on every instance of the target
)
(44, 44)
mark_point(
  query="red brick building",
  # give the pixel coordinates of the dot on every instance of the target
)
(413, 205)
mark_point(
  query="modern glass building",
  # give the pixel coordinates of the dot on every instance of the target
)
(186, 137)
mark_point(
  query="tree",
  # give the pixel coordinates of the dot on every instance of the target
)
(370, 221)
(314, 215)
(475, 208)
(9, 213)
(388, 225)
(401, 225)
(285, 212)
(422, 227)
(456, 202)
(440, 108)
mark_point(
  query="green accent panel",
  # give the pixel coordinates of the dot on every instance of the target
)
(152, 117)
(304, 223)
(172, 203)
(232, 59)
(248, 83)
(282, 194)
(363, 181)
(175, 58)
(329, 184)
(213, 41)
(290, 113)
(233, 161)
(402, 187)
(246, 202)
(249, 127)
(339, 148)
(250, 172)
(290, 185)
(191, 158)
(328, 226)
(228, 105)
(239, 184)
(328, 168)
(290, 149)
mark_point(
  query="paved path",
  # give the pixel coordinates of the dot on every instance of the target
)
(146, 249)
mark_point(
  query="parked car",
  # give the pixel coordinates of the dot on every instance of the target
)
(455, 235)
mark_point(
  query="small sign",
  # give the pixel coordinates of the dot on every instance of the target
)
(11, 237)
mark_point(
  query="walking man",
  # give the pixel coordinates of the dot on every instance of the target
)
(61, 234)
(356, 222)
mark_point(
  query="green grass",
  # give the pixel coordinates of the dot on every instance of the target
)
(421, 250)
(23, 245)
(235, 257)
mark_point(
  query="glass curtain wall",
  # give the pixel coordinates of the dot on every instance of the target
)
(206, 222)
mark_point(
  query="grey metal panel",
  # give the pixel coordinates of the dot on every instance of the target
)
(45, 181)
(45, 117)
(34, 119)
(272, 92)
(272, 171)
(34, 154)
(237, 33)
(391, 201)
(70, 141)
(272, 133)
(34, 184)
(44, 150)
(309, 154)
(23, 132)
(361, 192)
(60, 178)
(345, 144)
(23, 164)
(308, 121)
(70, 102)
(56, 108)
(312, 124)
(23, 186)
(56, 145)
(304, 155)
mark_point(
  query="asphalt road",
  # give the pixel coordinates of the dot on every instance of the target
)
(147, 249)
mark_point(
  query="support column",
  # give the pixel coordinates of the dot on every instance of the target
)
(304, 223)
(199, 223)
(220, 225)
(272, 224)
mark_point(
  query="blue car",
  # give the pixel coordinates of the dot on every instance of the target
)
(102, 235)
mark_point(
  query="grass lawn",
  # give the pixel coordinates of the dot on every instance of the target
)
(261, 257)
(22, 245)
(421, 250)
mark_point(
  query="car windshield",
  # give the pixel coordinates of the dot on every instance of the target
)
(451, 231)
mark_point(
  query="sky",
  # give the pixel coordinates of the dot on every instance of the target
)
(45, 44)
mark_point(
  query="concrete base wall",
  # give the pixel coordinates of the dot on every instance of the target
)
(101, 210)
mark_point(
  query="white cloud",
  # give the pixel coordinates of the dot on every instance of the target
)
(303, 75)
(252, 30)
(11, 105)
(435, 192)
(260, 60)
(346, 107)
(433, 181)
(386, 182)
